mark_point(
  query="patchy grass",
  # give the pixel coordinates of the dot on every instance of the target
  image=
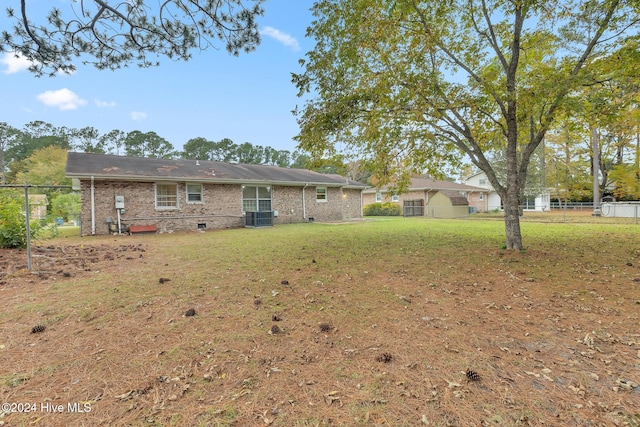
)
(68, 231)
(377, 324)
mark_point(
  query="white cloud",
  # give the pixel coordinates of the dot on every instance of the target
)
(283, 38)
(15, 63)
(63, 99)
(103, 104)
(138, 116)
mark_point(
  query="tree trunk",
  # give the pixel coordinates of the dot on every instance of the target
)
(2, 178)
(595, 171)
(512, 218)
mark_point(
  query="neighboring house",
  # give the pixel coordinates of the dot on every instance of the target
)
(119, 192)
(38, 206)
(428, 197)
(540, 202)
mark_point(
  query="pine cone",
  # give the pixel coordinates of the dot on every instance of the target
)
(325, 327)
(275, 329)
(472, 375)
(38, 328)
(190, 312)
(384, 358)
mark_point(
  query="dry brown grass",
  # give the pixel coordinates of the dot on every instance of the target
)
(377, 324)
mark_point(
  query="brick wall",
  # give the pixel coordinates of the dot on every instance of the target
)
(324, 210)
(221, 206)
(481, 205)
(288, 202)
(341, 204)
(352, 203)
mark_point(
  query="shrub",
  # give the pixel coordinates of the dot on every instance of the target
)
(66, 205)
(13, 227)
(383, 209)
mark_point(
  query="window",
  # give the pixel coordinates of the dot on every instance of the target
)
(481, 196)
(256, 199)
(378, 197)
(482, 181)
(194, 193)
(321, 194)
(166, 196)
(395, 198)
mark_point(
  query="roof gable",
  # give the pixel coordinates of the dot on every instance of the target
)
(124, 168)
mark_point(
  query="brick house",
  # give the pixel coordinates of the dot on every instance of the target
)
(119, 193)
(428, 197)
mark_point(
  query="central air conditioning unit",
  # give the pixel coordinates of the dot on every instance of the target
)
(258, 219)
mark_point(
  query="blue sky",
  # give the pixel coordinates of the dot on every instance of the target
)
(214, 95)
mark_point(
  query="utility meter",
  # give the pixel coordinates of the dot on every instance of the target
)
(119, 202)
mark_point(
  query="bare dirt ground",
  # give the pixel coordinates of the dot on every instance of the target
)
(553, 336)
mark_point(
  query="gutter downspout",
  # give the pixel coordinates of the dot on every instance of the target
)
(304, 205)
(93, 208)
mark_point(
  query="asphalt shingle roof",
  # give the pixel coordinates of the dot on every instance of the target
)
(419, 184)
(456, 198)
(104, 166)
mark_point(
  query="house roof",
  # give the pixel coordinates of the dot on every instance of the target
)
(424, 184)
(456, 198)
(104, 166)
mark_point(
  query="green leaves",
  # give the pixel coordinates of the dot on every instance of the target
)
(112, 34)
(147, 144)
(13, 229)
(413, 86)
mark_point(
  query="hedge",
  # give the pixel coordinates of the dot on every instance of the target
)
(383, 209)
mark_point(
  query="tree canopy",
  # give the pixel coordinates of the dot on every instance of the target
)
(413, 86)
(111, 34)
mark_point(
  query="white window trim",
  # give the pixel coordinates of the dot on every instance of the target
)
(166, 208)
(186, 191)
(257, 198)
(378, 197)
(326, 195)
(395, 198)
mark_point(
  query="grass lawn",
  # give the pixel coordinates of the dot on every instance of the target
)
(376, 322)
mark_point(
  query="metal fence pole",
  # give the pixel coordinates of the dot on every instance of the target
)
(28, 228)
(27, 210)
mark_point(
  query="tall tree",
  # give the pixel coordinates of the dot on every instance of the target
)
(9, 137)
(413, 84)
(111, 34)
(567, 162)
(198, 148)
(45, 167)
(225, 151)
(113, 141)
(87, 140)
(300, 160)
(148, 144)
(33, 137)
(249, 153)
